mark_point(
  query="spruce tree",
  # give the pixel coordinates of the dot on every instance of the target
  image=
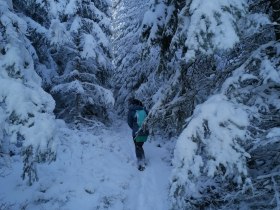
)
(26, 110)
(74, 55)
(128, 61)
(205, 176)
(84, 55)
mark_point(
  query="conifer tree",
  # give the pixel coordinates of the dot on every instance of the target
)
(130, 69)
(84, 52)
(74, 51)
(26, 110)
(205, 176)
(174, 64)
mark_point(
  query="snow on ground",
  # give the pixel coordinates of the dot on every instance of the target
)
(93, 170)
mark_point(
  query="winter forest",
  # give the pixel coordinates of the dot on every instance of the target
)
(208, 72)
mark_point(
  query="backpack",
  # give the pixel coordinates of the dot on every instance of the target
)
(142, 133)
(140, 116)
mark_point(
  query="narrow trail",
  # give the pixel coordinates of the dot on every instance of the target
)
(101, 172)
(148, 189)
(95, 170)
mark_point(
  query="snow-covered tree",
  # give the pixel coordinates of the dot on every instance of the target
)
(256, 84)
(196, 45)
(225, 157)
(80, 41)
(73, 44)
(173, 63)
(26, 110)
(36, 15)
(186, 34)
(209, 156)
(130, 65)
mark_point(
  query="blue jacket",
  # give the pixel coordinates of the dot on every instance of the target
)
(131, 119)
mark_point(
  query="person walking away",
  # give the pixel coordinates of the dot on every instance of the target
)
(136, 116)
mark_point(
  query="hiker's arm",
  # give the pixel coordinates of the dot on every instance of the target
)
(130, 119)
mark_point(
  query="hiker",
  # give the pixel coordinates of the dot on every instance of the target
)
(136, 116)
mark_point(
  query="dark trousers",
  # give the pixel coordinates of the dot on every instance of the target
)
(139, 150)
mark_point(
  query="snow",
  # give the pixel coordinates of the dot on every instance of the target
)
(89, 46)
(106, 96)
(269, 72)
(215, 129)
(71, 7)
(275, 132)
(153, 20)
(210, 21)
(41, 126)
(56, 7)
(76, 25)
(254, 22)
(95, 169)
(74, 86)
(26, 109)
(17, 24)
(58, 33)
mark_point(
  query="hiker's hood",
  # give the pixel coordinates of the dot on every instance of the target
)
(135, 107)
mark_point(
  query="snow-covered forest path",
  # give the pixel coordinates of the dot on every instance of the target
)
(148, 189)
(94, 170)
